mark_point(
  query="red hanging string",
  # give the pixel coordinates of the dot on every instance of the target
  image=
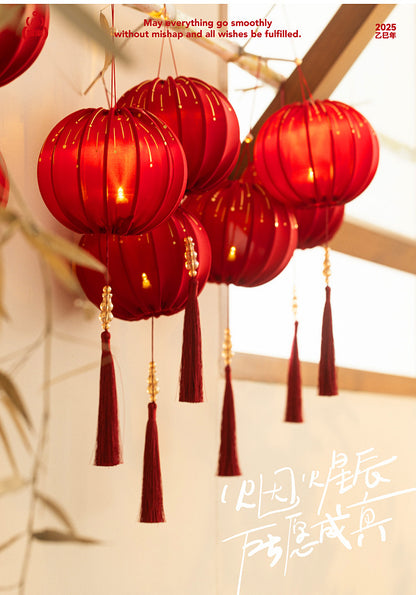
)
(164, 16)
(303, 82)
(113, 65)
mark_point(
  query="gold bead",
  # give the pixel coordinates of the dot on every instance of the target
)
(327, 266)
(227, 346)
(152, 382)
(191, 262)
(106, 308)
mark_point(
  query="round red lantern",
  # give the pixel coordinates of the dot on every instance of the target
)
(4, 183)
(22, 39)
(120, 171)
(147, 272)
(203, 119)
(316, 153)
(318, 225)
(252, 237)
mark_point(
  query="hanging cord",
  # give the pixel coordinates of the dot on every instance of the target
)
(249, 137)
(164, 17)
(228, 307)
(152, 344)
(245, 152)
(113, 93)
(107, 259)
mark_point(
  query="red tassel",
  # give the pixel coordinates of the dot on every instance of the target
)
(108, 451)
(152, 495)
(294, 384)
(228, 458)
(327, 370)
(191, 390)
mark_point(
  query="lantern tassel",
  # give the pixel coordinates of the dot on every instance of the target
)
(228, 457)
(294, 384)
(327, 369)
(152, 495)
(108, 450)
(191, 390)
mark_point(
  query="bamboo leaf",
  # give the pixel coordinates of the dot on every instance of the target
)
(8, 217)
(57, 510)
(108, 54)
(61, 537)
(9, 14)
(83, 21)
(11, 484)
(8, 449)
(3, 312)
(10, 391)
(10, 541)
(57, 263)
(65, 248)
(18, 424)
(72, 373)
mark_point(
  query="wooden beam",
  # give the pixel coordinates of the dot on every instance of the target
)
(327, 62)
(260, 368)
(333, 53)
(376, 245)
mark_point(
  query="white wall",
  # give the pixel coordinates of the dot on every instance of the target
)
(187, 555)
(103, 503)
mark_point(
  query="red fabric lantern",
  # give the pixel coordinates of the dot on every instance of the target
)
(316, 153)
(22, 39)
(150, 274)
(203, 119)
(252, 240)
(119, 171)
(147, 272)
(252, 237)
(4, 183)
(318, 225)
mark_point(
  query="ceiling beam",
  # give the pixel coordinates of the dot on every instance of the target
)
(328, 60)
(261, 368)
(333, 53)
(376, 245)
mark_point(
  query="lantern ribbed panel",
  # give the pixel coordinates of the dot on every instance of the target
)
(147, 272)
(120, 171)
(22, 40)
(252, 237)
(320, 153)
(318, 225)
(4, 183)
(203, 119)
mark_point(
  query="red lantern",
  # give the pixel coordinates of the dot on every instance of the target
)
(203, 119)
(4, 183)
(147, 272)
(318, 225)
(22, 39)
(316, 153)
(151, 274)
(252, 237)
(118, 171)
(252, 240)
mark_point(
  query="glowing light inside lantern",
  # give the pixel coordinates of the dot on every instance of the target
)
(310, 175)
(145, 281)
(232, 253)
(120, 195)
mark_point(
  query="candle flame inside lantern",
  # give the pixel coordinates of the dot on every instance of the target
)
(311, 175)
(232, 253)
(145, 281)
(120, 195)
